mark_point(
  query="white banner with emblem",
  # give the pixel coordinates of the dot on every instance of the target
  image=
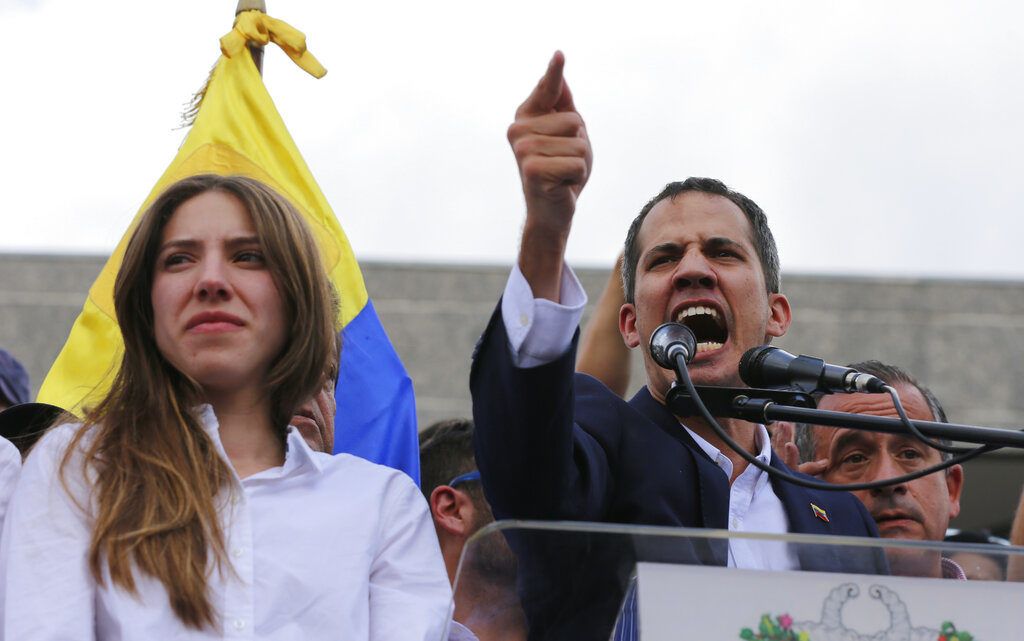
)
(679, 602)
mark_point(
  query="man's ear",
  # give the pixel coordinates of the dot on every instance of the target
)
(955, 485)
(627, 325)
(452, 511)
(779, 315)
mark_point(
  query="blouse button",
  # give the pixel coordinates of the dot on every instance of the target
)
(239, 624)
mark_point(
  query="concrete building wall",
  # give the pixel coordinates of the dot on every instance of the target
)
(963, 339)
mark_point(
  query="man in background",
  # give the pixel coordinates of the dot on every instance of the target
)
(918, 510)
(314, 419)
(979, 566)
(486, 605)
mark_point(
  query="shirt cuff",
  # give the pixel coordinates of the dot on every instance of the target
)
(540, 331)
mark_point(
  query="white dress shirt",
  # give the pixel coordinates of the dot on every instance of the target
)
(10, 467)
(323, 547)
(753, 507)
(540, 331)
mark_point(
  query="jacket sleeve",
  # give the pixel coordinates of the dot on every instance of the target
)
(535, 461)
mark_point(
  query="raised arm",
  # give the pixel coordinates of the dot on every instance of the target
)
(550, 143)
(603, 354)
(533, 462)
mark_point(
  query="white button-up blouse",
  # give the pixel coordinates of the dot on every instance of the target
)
(323, 547)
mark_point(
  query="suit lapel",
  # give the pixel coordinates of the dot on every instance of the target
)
(799, 504)
(713, 485)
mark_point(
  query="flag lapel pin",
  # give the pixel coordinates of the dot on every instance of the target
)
(819, 513)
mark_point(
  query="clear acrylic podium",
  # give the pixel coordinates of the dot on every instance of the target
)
(588, 581)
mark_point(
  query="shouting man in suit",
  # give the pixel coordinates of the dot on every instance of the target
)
(554, 445)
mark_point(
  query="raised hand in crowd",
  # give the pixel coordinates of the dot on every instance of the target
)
(549, 139)
(603, 354)
(783, 435)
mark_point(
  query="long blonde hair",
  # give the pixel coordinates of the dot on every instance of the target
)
(156, 470)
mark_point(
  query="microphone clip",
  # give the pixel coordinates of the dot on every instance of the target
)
(735, 402)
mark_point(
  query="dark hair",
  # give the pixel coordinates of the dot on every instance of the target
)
(24, 424)
(891, 375)
(764, 242)
(446, 451)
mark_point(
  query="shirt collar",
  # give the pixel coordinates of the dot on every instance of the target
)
(952, 570)
(761, 441)
(297, 453)
(459, 632)
(212, 427)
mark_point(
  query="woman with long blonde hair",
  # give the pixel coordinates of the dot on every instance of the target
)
(184, 506)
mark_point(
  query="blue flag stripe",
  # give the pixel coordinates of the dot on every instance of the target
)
(375, 393)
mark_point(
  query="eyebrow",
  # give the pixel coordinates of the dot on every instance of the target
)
(715, 242)
(853, 437)
(663, 248)
(901, 441)
(721, 242)
(191, 243)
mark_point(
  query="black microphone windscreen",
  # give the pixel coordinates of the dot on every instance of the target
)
(667, 335)
(750, 364)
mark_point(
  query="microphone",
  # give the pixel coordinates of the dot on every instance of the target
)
(767, 366)
(671, 340)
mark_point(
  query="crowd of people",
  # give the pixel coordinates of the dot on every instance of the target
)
(200, 499)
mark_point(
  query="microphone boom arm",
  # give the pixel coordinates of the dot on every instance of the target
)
(951, 431)
(745, 404)
(810, 482)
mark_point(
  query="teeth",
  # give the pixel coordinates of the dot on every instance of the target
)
(707, 346)
(697, 310)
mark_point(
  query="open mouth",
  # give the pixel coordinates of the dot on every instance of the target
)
(707, 326)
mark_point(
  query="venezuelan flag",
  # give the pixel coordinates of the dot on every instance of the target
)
(237, 130)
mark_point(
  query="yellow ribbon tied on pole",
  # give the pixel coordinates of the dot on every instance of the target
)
(258, 27)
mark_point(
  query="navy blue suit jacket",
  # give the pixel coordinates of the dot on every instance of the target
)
(555, 445)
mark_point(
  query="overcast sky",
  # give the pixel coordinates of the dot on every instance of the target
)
(880, 137)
